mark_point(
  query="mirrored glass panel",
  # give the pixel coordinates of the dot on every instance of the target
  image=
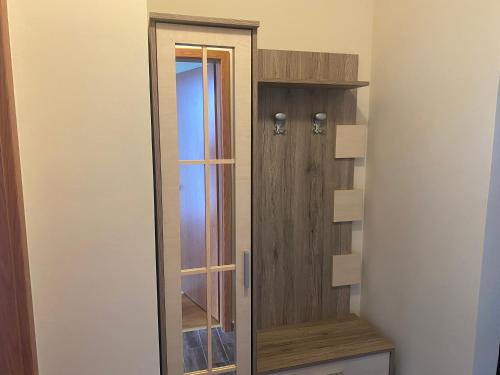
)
(219, 104)
(206, 208)
(190, 115)
(224, 333)
(189, 91)
(221, 193)
(194, 322)
(192, 215)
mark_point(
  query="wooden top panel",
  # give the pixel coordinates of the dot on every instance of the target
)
(322, 341)
(203, 21)
(343, 85)
(298, 66)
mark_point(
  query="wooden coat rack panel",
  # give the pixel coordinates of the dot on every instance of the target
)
(308, 69)
(294, 179)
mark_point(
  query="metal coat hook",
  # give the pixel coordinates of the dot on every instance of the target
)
(317, 123)
(279, 123)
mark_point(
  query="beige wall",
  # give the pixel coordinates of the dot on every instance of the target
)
(81, 88)
(434, 88)
(342, 26)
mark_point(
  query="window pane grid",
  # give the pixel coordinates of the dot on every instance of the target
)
(208, 270)
(207, 209)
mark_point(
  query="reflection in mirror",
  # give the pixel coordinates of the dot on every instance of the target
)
(206, 204)
(223, 334)
(189, 91)
(194, 322)
(219, 104)
(192, 215)
(221, 189)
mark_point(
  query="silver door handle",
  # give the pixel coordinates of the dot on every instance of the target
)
(246, 269)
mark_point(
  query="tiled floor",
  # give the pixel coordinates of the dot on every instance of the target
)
(195, 349)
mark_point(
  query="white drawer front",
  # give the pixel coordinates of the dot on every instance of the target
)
(375, 364)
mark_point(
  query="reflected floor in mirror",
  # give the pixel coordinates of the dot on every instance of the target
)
(195, 350)
(193, 316)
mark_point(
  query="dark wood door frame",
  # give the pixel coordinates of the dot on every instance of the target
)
(17, 339)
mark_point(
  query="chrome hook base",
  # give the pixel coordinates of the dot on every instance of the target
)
(317, 123)
(279, 123)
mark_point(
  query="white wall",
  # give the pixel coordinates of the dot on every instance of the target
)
(82, 96)
(433, 97)
(341, 26)
(488, 322)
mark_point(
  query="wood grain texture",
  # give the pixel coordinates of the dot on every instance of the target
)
(317, 342)
(348, 205)
(351, 141)
(294, 179)
(314, 67)
(346, 269)
(342, 85)
(203, 21)
(17, 336)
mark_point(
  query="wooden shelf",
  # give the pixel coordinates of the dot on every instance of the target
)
(341, 85)
(317, 342)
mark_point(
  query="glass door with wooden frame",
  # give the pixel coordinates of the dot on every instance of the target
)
(203, 152)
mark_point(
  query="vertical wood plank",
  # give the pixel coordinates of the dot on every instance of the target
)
(17, 336)
(295, 177)
(294, 209)
(207, 208)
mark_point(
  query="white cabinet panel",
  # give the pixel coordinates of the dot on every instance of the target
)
(376, 364)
